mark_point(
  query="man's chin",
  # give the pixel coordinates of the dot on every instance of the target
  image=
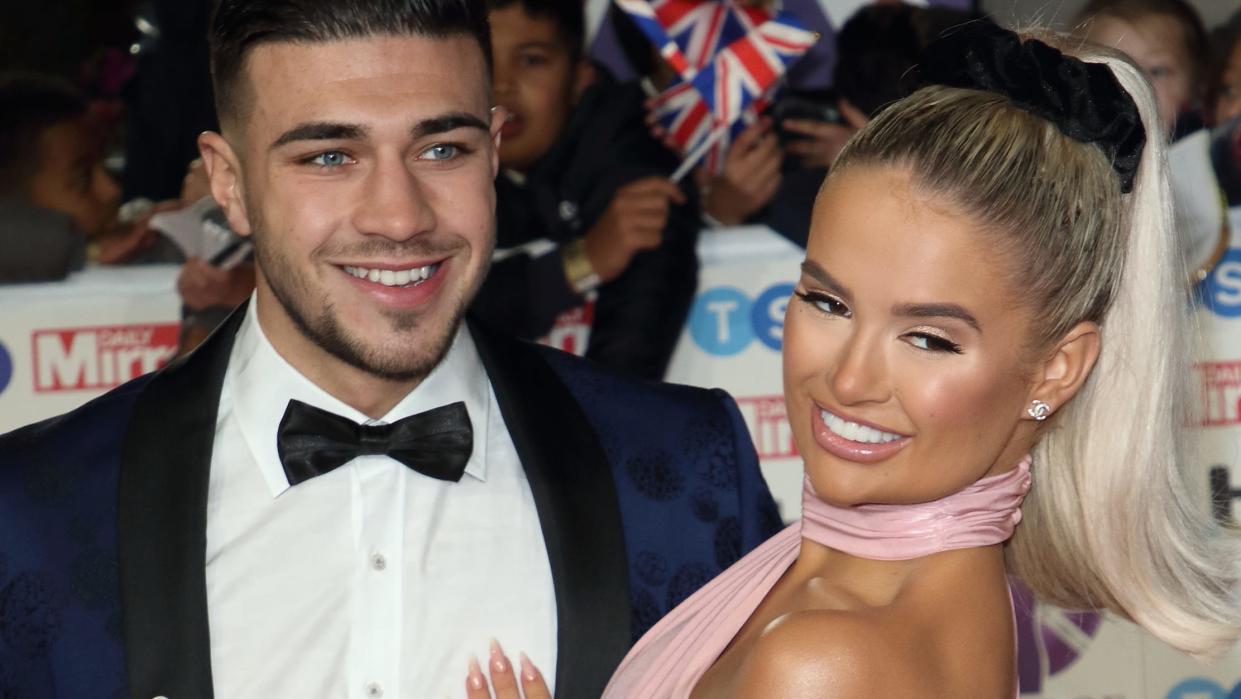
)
(404, 346)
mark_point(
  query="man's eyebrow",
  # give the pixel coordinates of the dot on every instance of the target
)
(321, 131)
(447, 122)
(815, 270)
(936, 310)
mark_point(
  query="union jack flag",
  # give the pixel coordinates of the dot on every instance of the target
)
(728, 60)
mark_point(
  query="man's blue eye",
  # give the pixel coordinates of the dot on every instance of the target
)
(440, 151)
(330, 159)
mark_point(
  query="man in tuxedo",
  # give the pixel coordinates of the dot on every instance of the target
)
(346, 490)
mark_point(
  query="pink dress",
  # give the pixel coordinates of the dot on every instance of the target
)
(670, 659)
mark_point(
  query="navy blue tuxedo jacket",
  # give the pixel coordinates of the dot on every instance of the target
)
(644, 492)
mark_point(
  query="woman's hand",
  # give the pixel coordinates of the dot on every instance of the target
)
(503, 681)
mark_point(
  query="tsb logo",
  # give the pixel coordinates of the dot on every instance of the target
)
(1202, 688)
(1221, 291)
(724, 321)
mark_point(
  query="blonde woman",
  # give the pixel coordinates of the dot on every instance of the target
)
(988, 329)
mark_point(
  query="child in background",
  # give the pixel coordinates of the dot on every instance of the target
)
(583, 204)
(1227, 87)
(1167, 40)
(58, 205)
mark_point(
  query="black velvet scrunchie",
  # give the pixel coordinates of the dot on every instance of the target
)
(1084, 100)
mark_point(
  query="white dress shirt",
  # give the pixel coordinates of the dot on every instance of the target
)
(371, 580)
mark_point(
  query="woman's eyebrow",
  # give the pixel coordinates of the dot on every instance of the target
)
(936, 310)
(815, 271)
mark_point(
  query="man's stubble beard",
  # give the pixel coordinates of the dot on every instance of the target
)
(326, 332)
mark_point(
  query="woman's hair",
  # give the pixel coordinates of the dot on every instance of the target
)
(1112, 521)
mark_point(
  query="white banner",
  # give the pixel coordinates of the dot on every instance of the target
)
(62, 344)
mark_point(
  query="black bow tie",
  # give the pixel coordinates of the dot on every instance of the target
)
(436, 443)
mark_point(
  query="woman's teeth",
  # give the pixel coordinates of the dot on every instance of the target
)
(854, 432)
(394, 277)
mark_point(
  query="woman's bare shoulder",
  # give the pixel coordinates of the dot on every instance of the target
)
(829, 654)
(833, 654)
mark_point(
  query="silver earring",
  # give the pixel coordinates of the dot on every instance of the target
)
(1039, 410)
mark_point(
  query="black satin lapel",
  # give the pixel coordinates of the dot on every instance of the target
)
(578, 509)
(163, 523)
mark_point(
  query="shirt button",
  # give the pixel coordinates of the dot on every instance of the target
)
(374, 690)
(378, 562)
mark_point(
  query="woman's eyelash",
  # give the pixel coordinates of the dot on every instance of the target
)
(936, 343)
(831, 306)
(824, 303)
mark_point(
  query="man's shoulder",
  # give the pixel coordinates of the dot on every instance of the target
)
(600, 389)
(96, 425)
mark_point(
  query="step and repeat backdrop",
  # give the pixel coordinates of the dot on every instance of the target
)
(62, 344)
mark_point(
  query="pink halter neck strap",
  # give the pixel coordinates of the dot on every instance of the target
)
(984, 513)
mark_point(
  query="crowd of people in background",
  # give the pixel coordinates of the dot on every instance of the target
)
(589, 222)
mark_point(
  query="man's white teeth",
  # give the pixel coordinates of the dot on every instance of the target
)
(394, 277)
(854, 432)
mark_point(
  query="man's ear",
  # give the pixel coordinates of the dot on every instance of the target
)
(1066, 368)
(498, 115)
(224, 174)
(851, 114)
(583, 77)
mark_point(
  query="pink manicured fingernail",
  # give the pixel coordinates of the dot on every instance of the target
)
(499, 663)
(528, 671)
(475, 679)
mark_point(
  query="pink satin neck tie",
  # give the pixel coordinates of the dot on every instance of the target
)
(984, 513)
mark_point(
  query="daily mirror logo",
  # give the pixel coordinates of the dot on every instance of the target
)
(80, 359)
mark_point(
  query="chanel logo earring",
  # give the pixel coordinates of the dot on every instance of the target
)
(1039, 410)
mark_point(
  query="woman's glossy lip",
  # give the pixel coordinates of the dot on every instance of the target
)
(847, 449)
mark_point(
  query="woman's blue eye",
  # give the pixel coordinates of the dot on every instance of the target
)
(440, 151)
(331, 159)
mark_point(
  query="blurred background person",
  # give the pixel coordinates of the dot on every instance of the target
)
(1227, 84)
(1167, 40)
(584, 206)
(58, 204)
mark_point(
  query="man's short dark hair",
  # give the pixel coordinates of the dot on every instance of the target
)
(568, 16)
(238, 26)
(30, 104)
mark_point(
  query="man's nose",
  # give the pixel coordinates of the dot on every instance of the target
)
(395, 203)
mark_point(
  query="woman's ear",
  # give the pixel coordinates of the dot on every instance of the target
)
(1064, 371)
(224, 174)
